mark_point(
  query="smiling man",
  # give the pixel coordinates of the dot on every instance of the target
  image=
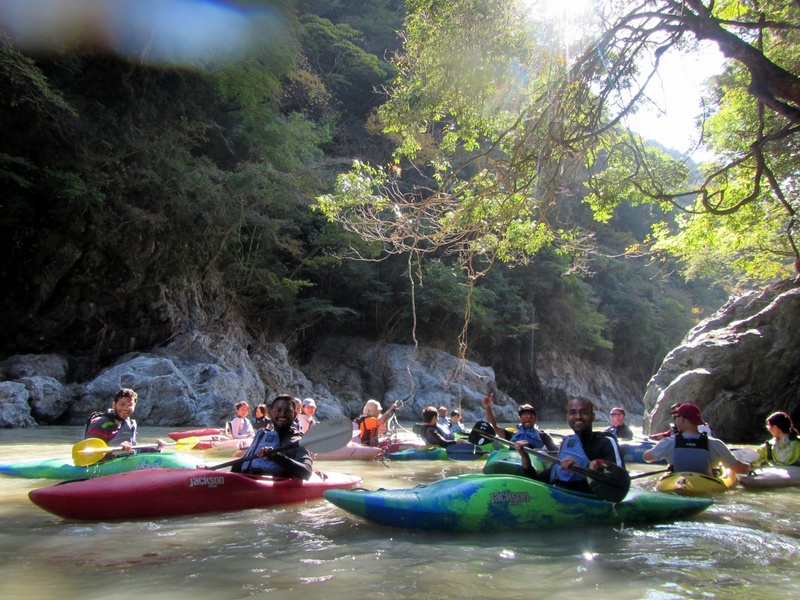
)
(581, 448)
(294, 462)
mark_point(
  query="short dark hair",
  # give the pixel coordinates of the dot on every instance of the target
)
(126, 393)
(428, 413)
(286, 397)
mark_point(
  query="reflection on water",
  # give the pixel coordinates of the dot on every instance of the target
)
(745, 546)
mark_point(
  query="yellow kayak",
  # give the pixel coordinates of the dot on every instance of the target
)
(695, 484)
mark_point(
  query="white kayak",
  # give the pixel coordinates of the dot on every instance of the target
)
(771, 477)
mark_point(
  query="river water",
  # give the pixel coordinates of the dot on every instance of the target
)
(745, 546)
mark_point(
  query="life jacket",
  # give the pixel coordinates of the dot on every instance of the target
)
(691, 455)
(262, 466)
(444, 429)
(570, 446)
(784, 457)
(367, 429)
(530, 435)
(110, 428)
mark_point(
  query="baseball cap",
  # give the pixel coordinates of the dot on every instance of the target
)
(526, 408)
(309, 402)
(690, 412)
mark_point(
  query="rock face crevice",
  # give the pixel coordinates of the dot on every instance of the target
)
(739, 365)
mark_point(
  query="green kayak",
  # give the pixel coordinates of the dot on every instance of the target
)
(463, 451)
(507, 462)
(62, 468)
(488, 502)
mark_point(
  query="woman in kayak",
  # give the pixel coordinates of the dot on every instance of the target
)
(372, 422)
(306, 417)
(456, 426)
(783, 450)
(241, 427)
(262, 419)
(289, 462)
(115, 427)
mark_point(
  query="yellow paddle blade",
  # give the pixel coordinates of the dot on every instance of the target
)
(88, 452)
(187, 443)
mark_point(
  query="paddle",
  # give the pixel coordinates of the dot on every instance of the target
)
(608, 481)
(88, 452)
(465, 452)
(325, 436)
(649, 473)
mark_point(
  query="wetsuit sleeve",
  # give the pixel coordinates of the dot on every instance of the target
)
(297, 463)
(548, 442)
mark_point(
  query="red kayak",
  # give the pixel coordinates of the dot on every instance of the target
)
(179, 435)
(171, 492)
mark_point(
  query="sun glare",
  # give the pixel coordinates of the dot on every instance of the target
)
(566, 10)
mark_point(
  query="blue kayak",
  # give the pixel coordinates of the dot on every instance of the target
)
(62, 468)
(491, 502)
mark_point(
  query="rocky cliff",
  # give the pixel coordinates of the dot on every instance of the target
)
(739, 365)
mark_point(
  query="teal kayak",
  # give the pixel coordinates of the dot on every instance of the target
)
(465, 452)
(62, 468)
(488, 502)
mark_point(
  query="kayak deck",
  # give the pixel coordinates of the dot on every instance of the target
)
(768, 478)
(173, 492)
(695, 484)
(488, 502)
(61, 468)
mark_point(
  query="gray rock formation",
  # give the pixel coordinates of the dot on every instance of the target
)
(739, 366)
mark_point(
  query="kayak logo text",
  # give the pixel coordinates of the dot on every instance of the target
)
(510, 497)
(211, 482)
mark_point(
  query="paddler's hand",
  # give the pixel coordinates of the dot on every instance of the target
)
(462, 441)
(567, 462)
(266, 452)
(126, 446)
(487, 401)
(521, 445)
(160, 444)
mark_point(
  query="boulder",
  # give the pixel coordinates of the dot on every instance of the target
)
(14, 408)
(739, 366)
(48, 398)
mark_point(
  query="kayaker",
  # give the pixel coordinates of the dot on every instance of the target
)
(443, 424)
(581, 448)
(241, 427)
(295, 462)
(691, 450)
(116, 427)
(704, 428)
(618, 428)
(783, 450)
(262, 419)
(431, 432)
(372, 422)
(306, 417)
(527, 429)
(456, 426)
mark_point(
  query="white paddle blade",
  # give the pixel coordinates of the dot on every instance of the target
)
(747, 455)
(328, 436)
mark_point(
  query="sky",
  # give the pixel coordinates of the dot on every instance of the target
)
(676, 91)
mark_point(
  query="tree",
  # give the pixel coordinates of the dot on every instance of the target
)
(508, 115)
